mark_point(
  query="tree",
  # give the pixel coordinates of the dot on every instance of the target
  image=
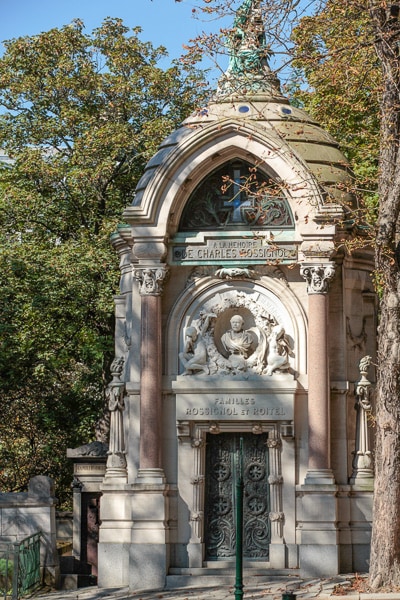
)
(337, 79)
(362, 42)
(385, 546)
(81, 115)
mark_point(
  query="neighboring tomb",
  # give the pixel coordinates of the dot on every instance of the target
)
(23, 514)
(89, 462)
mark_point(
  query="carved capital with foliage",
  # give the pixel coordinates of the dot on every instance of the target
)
(151, 280)
(318, 277)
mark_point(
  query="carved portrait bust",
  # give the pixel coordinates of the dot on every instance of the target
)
(237, 338)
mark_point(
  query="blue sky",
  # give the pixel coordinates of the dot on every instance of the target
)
(164, 22)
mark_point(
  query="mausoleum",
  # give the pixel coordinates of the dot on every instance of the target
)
(240, 316)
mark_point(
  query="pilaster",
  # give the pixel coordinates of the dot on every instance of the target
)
(318, 277)
(316, 499)
(149, 544)
(276, 515)
(151, 280)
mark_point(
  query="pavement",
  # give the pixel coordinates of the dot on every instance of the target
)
(278, 589)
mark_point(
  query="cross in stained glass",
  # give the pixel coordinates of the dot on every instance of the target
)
(237, 202)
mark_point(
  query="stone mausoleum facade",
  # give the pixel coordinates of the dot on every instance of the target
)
(240, 316)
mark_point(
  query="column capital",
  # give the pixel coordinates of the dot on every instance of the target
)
(318, 276)
(151, 280)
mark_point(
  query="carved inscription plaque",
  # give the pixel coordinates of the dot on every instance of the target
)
(234, 250)
(233, 406)
(89, 469)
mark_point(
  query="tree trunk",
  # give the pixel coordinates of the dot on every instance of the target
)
(385, 543)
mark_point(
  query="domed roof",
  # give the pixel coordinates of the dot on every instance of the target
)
(249, 99)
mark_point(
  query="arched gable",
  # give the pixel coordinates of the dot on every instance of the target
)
(161, 201)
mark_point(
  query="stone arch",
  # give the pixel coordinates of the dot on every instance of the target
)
(261, 297)
(196, 155)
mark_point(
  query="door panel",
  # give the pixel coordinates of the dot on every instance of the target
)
(220, 501)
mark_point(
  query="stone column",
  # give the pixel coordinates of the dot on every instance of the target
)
(150, 288)
(276, 515)
(318, 278)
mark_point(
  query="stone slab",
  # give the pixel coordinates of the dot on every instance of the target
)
(233, 406)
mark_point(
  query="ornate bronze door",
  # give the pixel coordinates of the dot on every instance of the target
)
(221, 474)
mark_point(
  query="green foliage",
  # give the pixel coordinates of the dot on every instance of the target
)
(6, 573)
(81, 116)
(337, 79)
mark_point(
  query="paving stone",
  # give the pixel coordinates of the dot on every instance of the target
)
(303, 589)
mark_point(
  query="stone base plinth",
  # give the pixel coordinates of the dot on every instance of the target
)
(147, 566)
(319, 560)
(277, 556)
(149, 550)
(195, 554)
(113, 565)
(317, 530)
(319, 477)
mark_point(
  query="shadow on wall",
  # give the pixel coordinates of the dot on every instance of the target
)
(24, 513)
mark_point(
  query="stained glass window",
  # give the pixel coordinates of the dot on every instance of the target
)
(237, 195)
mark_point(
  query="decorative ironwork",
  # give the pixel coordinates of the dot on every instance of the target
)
(236, 195)
(20, 566)
(220, 496)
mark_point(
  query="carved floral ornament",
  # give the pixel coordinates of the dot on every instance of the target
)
(276, 516)
(318, 277)
(262, 349)
(274, 443)
(151, 280)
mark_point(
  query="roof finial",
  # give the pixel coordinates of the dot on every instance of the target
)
(248, 71)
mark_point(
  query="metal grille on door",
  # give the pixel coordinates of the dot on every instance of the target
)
(221, 473)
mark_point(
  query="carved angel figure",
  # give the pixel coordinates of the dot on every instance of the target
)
(194, 356)
(278, 350)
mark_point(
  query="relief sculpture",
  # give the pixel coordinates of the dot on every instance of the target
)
(237, 343)
(194, 356)
(220, 343)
